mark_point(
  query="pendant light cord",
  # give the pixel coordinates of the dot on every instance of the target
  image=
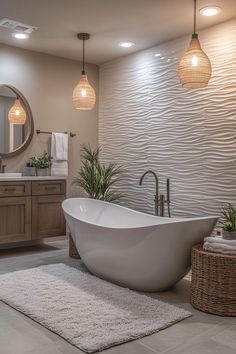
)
(195, 17)
(83, 71)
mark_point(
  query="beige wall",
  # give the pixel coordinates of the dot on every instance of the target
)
(47, 82)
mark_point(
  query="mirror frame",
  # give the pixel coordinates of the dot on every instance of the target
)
(30, 132)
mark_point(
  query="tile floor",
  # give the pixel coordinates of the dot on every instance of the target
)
(200, 334)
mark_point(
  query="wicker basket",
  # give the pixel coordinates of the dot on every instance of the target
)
(72, 249)
(213, 286)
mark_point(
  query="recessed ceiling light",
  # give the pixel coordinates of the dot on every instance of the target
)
(157, 55)
(126, 44)
(210, 10)
(20, 35)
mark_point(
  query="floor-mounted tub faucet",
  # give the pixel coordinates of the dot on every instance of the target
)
(157, 192)
(2, 167)
(160, 201)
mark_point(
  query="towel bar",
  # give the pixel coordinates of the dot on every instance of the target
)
(38, 131)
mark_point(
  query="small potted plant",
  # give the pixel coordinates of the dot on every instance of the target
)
(228, 222)
(42, 164)
(29, 169)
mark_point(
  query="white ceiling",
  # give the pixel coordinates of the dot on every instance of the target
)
(144, 22)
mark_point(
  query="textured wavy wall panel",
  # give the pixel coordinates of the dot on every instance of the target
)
(148, 121)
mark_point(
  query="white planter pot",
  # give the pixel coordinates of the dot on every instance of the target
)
(42, 171)
(29, 171)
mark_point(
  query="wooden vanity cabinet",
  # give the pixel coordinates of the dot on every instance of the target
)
(15, 211)
(31, 210)
(47, 215)
(15, 219)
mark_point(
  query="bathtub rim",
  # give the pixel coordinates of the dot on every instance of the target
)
(167, 219)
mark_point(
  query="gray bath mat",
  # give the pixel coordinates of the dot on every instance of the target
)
(88, 312)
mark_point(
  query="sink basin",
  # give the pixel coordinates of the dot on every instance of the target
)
(10, 175)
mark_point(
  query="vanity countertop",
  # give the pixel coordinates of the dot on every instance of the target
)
(32, 178)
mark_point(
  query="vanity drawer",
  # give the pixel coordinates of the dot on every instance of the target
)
(15, 189)
(48, 187)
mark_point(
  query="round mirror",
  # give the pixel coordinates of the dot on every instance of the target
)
(16, 122)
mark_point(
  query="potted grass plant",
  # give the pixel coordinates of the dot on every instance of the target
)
(42, 164)
(96, 178)
(228, 222)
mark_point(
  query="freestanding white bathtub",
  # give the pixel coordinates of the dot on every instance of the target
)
(132, 249)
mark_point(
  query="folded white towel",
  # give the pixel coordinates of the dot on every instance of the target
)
(59, 146)
(220, 241)
(220, 245)
(209, 247)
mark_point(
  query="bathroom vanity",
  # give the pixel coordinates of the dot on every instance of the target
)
(30, 208)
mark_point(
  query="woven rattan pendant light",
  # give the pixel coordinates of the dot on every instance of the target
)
(84, 96)
(17, 114)
(194, 66)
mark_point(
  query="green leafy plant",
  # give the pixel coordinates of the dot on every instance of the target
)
(44, 161)
(30, 162)
(228, 221)
(96, 178)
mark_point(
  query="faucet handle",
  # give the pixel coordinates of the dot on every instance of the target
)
(168, 190)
